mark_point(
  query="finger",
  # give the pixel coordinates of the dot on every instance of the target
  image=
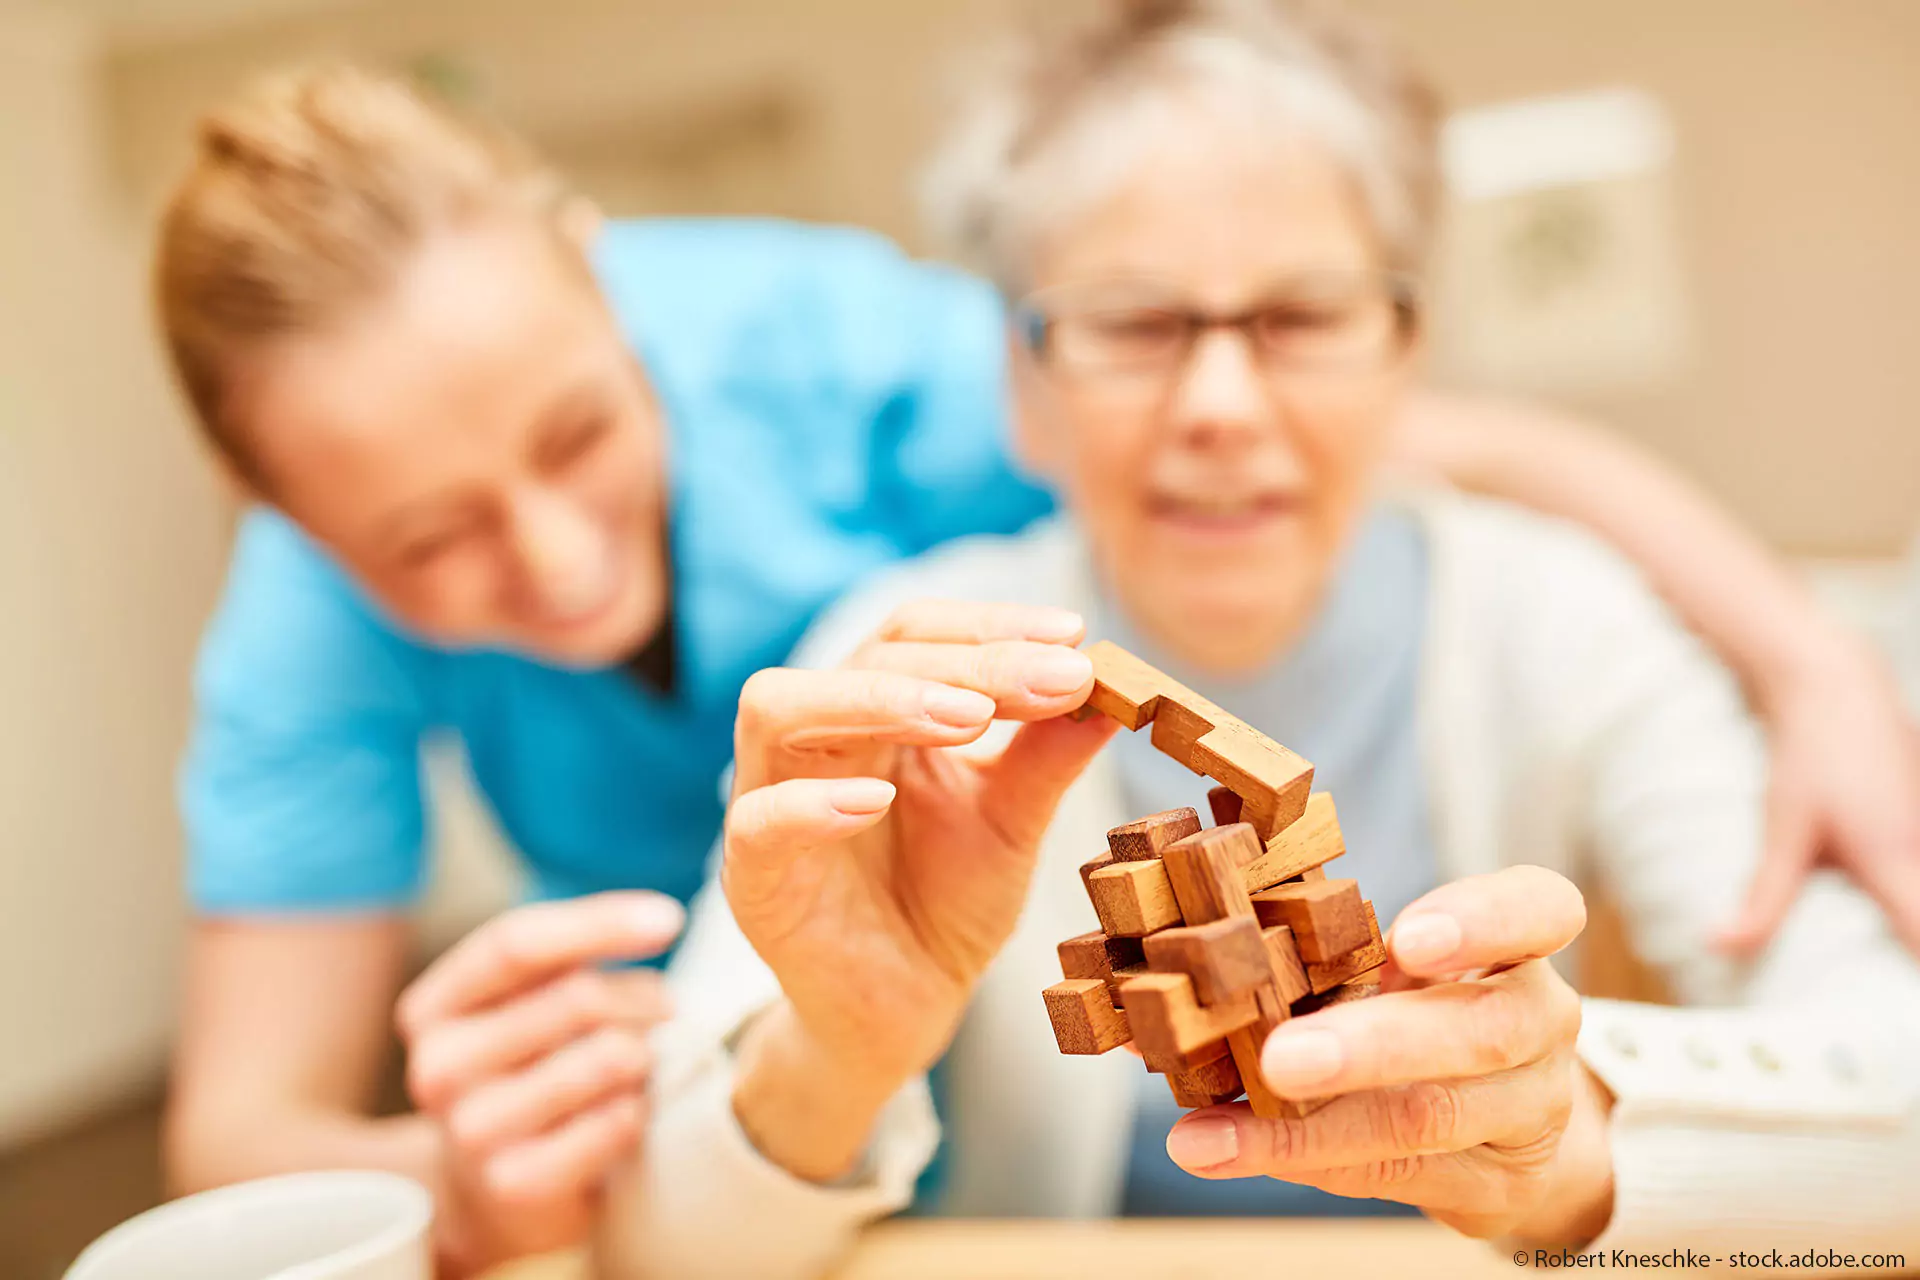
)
(784, 709)
(770, 828)
(532, 944)
(1026, 681)
(1787, 855)
(1021, 789)
(450, 1058)
(573, 1078)
(1380, 1128)
(1436, 1033)
(1893, 878)
(575, 1158)
(1508, 917)
(972, 622)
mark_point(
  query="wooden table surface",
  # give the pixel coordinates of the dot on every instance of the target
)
(1175, 1250)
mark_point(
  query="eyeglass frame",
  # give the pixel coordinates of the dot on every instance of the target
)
(1032, 323)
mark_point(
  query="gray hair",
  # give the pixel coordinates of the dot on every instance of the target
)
(1053, 122)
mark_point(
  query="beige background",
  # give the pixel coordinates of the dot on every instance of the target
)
(1797, 190)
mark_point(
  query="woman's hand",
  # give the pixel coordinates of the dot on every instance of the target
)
(1845, 790)
(875, 869)
(1458, 1089)
(533, 1061)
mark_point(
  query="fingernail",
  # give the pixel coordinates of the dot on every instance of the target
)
(1057, 626)
(1425, 940)
(1057, 671)
(1295, 1060)
(861, 797)
(957, 708)
(655, 914)
(1203, 1142)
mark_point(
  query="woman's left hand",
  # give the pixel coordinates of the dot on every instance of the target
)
(1458, 1089)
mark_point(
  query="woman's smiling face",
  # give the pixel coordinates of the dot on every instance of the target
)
(1217, 472)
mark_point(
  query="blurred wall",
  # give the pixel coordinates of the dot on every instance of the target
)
(1796, 181)
(109, 551)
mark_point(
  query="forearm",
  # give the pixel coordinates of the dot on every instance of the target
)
(807, 1112)
(1720, 578)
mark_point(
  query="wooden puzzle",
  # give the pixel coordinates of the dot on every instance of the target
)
(1210, 937)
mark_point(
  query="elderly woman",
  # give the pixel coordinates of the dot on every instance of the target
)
(1212, 216)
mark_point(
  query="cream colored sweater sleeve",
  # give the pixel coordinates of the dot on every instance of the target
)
(1781, 1109)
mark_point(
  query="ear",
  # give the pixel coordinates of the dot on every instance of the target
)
(1036, 445)
(581, 222)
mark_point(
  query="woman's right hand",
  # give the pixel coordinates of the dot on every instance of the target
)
(876, 870)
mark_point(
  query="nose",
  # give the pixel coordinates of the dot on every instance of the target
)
(1221, 392)
(561, 549)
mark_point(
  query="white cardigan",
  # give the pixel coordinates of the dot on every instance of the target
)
(1566, 720)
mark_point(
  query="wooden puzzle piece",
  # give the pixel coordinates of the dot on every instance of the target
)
(1363, 987)
(1224, 958)
(1322, 977)
(1095, 955)
(1290, 974)
(1205, 872)
(1084, 1018)
(1133, 898)
(1147, 838)
(1271, 781)
(1169, 1022)
(1302, 848)
(1328, 917)
(1224, 805)
(1207, 1085)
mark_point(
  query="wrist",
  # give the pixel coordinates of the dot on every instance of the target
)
(805, 1106)
(1580, 1204)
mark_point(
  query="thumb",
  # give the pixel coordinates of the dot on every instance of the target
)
(1023, 787)
(1786, 856)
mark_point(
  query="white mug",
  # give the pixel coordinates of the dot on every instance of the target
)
(346, 1225)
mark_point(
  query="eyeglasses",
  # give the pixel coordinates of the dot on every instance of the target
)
(1332, 321)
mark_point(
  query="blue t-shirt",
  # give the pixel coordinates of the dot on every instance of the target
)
(832, 406)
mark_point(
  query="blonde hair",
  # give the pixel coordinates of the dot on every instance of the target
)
(1054, 117)
(303, 203)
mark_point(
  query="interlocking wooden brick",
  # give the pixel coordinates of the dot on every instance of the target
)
(1095, 955)
(1302, 848)
(1322, 977)
(1208, 1084)
(1149, 836)
(1224, 958)
(1084, 1018)
(1225, 806)
(1271, 781)
(1133, 898)
(1289, 972)
(1327, 917)
(1168, 1021)
(1205, 871)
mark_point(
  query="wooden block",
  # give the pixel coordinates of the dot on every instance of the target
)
(1084, 1019)
(1205, 871)
(1124, 688)
(1327, 917)
(1226, 806)
(1095, 955)
(1088, 868)
(1322, 977)
(1138, 841)
(1133, 898)
(1289, 973)
(1224, 958)
(1175, 1064)
(1364, 987)
(1301, 848)
(1168, 1021)
(1271, 781)
(1207, 1085)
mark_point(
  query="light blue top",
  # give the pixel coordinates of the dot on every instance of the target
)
(832, 407)
(1345, 697)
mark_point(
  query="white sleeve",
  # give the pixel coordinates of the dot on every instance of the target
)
(1789, 1117)
(701, 1201)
